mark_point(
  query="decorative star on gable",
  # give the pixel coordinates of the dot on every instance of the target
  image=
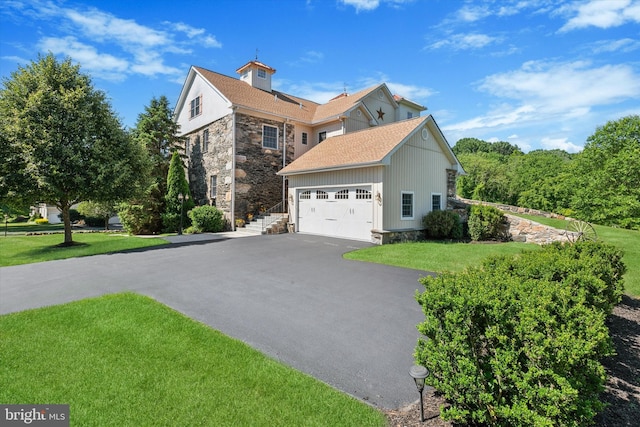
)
(380, 113)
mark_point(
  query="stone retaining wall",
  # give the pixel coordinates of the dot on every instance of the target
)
(524, 230)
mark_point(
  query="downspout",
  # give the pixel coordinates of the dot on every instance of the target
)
(233, 167)
(284, 161)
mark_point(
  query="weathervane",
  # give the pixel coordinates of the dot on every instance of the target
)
(256, 54)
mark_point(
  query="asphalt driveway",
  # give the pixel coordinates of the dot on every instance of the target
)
(292, 296)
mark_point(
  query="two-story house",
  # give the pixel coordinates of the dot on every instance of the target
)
(363, 166)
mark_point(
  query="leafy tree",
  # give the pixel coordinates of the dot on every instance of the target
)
(177, 184)
(537, 179)
(100, 210)
(607, 174)
(486, 177)
(474, 145)
(65, 137)
(158, 133)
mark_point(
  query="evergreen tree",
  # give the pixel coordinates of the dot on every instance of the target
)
(158, 133)
(177, 185)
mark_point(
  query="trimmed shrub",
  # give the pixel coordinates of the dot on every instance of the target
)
(42, 221)
(519, 341)
(93, 221)
(207, 219)
(442, 225)
(135, 219)
(486, 223)
(171, 222)
(74, 216)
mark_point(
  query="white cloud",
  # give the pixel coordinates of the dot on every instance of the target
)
(601, 14)
(133, 48)
(623, 45)
(561, 144)
(361, 5)
(473, 13)
(565, 87)
(368, 5)
(308, 57)
(200, 34)
(102, 65)
(464, 41)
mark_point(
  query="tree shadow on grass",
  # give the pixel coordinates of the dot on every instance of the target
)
(622, 392)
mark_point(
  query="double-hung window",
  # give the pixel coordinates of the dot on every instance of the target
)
(196, 106)
(304, 138)
(436, 202)
(213, 188)
(205, 141)
(269, 137)
(407, 205)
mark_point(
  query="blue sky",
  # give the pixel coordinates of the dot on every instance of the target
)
(536, 73)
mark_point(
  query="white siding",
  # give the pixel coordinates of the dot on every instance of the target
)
(419, 166)
(357, 120)
(375, 103)
(362, 176)
(213, 105)
(299, 148)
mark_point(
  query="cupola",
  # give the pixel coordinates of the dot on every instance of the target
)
(256, 74)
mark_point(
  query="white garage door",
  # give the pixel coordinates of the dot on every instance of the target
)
(337, 212)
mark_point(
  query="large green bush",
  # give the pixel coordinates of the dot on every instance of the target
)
(486, 223)
(518, 341)
(207, 219)
(135, 218)
(442, 225)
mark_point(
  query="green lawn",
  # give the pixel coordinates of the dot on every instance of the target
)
(439, 257)
(435, 256)
(21, 249)
(126, 360)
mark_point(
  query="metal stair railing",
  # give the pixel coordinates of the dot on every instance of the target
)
(272, 215)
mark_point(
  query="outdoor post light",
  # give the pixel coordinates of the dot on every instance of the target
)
(182, 198)
(419, 373)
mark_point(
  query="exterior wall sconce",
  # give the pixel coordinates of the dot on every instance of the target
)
(419, 373)
(379, 198)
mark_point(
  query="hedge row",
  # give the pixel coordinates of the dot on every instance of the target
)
(519, 340)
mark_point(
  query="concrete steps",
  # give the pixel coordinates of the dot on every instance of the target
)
(277, 224)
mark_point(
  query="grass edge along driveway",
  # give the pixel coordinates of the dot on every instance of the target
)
(125, 359)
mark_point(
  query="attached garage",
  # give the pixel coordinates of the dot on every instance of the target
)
(336, 212)
(374, 184)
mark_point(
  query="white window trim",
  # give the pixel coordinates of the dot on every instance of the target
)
(277, 136)
(436, 194)
(263, 72)
(413, 206)
(305, 138)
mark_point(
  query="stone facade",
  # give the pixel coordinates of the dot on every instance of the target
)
(214, 161)
(385, 237)
(520, 229)
(257, 187)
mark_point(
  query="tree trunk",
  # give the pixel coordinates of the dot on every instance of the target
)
(68, 238)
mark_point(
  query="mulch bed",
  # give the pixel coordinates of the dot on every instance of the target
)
(622, 392)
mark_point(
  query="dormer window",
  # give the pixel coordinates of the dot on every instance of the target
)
(262, 73)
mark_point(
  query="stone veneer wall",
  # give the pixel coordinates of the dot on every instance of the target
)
(215, 161)
(257, 185)
(520, 229)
